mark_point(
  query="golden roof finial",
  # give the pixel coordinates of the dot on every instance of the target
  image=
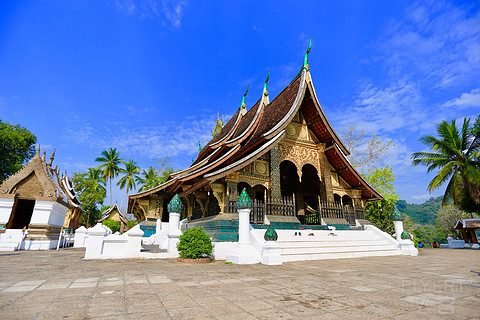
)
(52, 157)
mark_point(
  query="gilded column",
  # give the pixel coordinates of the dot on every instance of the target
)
(275, 174)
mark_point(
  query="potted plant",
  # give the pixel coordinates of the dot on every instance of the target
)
(195, 246)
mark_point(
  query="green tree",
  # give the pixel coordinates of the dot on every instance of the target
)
(111, 160)
(378, 212)
(456, 154)
(90, 190)
(112, 224)
(149, 179)
(153, 177)
(17, 146)
(447, 219)
(128, 180)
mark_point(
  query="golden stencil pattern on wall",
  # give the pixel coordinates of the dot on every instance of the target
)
(299, 156)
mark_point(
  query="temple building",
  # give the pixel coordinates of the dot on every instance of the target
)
(286, 155)
(114, 213)
(39, 200)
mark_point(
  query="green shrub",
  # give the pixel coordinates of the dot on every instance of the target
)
(195, 243)
(131, 224)
(113, 225)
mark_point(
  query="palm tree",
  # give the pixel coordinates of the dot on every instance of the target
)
(128, 180)
(150, 179)
(111, 159)
(95, 177)
(456, 154)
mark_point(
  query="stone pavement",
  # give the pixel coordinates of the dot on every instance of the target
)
(438, 284)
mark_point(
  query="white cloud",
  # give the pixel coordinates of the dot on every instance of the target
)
(466, 100)
(169, 138)
(438, 41)
(167, 10)
(422, 197)
(386, 110)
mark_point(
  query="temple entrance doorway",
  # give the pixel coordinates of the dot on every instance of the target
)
(21, 214)
(310, 186)
(288, 178)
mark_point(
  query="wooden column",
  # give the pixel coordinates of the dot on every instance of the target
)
(276, 193)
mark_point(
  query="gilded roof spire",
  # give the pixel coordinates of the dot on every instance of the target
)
(305, 61)
(265, 91)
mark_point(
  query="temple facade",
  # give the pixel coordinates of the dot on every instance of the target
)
(35, 203)
(284, 153)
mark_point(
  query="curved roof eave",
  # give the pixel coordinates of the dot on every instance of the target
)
(325, 120)
(152, 190)
(249, 129)
(228, 135)
(362, 181)
(291, 113)
(245, 160)
(201, 170)
(202, 162)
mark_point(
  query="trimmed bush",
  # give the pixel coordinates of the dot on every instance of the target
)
(112, 224)
(131, 224)
(195, 243)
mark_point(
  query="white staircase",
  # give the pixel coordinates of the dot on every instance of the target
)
(326, 244)
(11, 239)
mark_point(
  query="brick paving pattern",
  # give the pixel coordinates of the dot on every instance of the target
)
(438, 284)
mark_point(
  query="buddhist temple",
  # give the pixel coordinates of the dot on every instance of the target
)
(39, 200)
(114, 213)
(284, 153)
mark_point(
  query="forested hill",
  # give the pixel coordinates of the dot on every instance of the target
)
(424, 213)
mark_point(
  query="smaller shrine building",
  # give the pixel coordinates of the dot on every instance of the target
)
(40, 201)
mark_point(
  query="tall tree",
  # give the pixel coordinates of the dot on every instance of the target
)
(90, 190)
(364, 154)
(149, 179)
(128, 180)
(456, 154)
(111, 160)
(17, 145)
(378, 212)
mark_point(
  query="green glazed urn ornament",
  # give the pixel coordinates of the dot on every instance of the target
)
(175, 205)
(397, 215)
(270, 234)
(405, 235)
(244, 201)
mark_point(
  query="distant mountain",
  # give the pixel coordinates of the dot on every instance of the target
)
(424, 213)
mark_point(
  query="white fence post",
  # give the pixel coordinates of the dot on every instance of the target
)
(94, 243)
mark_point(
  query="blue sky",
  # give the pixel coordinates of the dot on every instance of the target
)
(148, 77)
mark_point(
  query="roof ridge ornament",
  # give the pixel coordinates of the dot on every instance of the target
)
(52, 157)
(305, 61)
(243, 105)
(265, 91)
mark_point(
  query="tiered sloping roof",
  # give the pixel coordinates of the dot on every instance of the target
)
(246, 137)
(107, 214)
(54, 186)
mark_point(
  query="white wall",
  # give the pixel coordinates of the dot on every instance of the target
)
(48, 213)
(5, 209)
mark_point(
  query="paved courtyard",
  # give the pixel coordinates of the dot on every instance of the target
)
(438, 284)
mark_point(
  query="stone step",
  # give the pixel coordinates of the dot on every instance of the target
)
(339, 255)
(338, 243)
(337, 249)
(8, 246)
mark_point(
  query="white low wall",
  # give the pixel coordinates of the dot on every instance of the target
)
(101, 244)
(49, 213)
(6, 206)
